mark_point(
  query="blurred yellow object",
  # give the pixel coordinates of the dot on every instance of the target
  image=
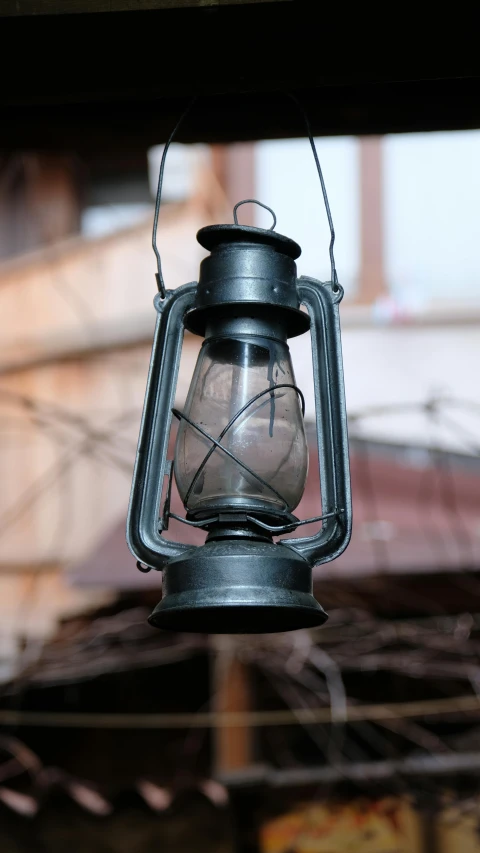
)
(458, 828)
(389, 825)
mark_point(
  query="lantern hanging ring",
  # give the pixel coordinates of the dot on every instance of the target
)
(260, 204)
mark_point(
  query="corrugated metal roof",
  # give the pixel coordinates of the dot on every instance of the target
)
(414, 512)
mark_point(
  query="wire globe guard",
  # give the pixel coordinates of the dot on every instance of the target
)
(232, 586)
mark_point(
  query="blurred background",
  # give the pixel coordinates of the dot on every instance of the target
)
(363, 735)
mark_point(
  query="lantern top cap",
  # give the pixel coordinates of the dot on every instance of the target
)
(213, 236)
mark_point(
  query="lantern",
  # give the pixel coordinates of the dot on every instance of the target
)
(241, 456)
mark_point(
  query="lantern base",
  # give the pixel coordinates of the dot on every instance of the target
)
(232, 587)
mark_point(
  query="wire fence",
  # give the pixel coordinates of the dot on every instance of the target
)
(312, 674)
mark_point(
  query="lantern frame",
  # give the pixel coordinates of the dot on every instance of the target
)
(145, 520)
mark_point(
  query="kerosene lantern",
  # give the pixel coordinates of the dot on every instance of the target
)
(241, 455)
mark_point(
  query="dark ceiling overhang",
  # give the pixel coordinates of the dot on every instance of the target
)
(100, 81)
(21, 8)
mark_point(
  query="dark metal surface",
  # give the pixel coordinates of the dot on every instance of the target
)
(238, 587)
(213, 236)
(250, 271)
(143, 536)
(322, 301)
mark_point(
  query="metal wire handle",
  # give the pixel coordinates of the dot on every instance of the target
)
(159, 274)
(323, 186)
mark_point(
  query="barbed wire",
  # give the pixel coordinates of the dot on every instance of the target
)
(106, 444)
(370, 647)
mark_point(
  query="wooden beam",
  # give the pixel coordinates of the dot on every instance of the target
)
(102, 338)
(233, 745)
(440, 764)
(138, 332)
(20, 8)
(234, 168)
(372, 284)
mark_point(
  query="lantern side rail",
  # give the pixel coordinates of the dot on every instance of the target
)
(322, 301)
(151, 466)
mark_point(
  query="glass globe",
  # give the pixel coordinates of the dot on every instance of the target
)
(242, 395)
